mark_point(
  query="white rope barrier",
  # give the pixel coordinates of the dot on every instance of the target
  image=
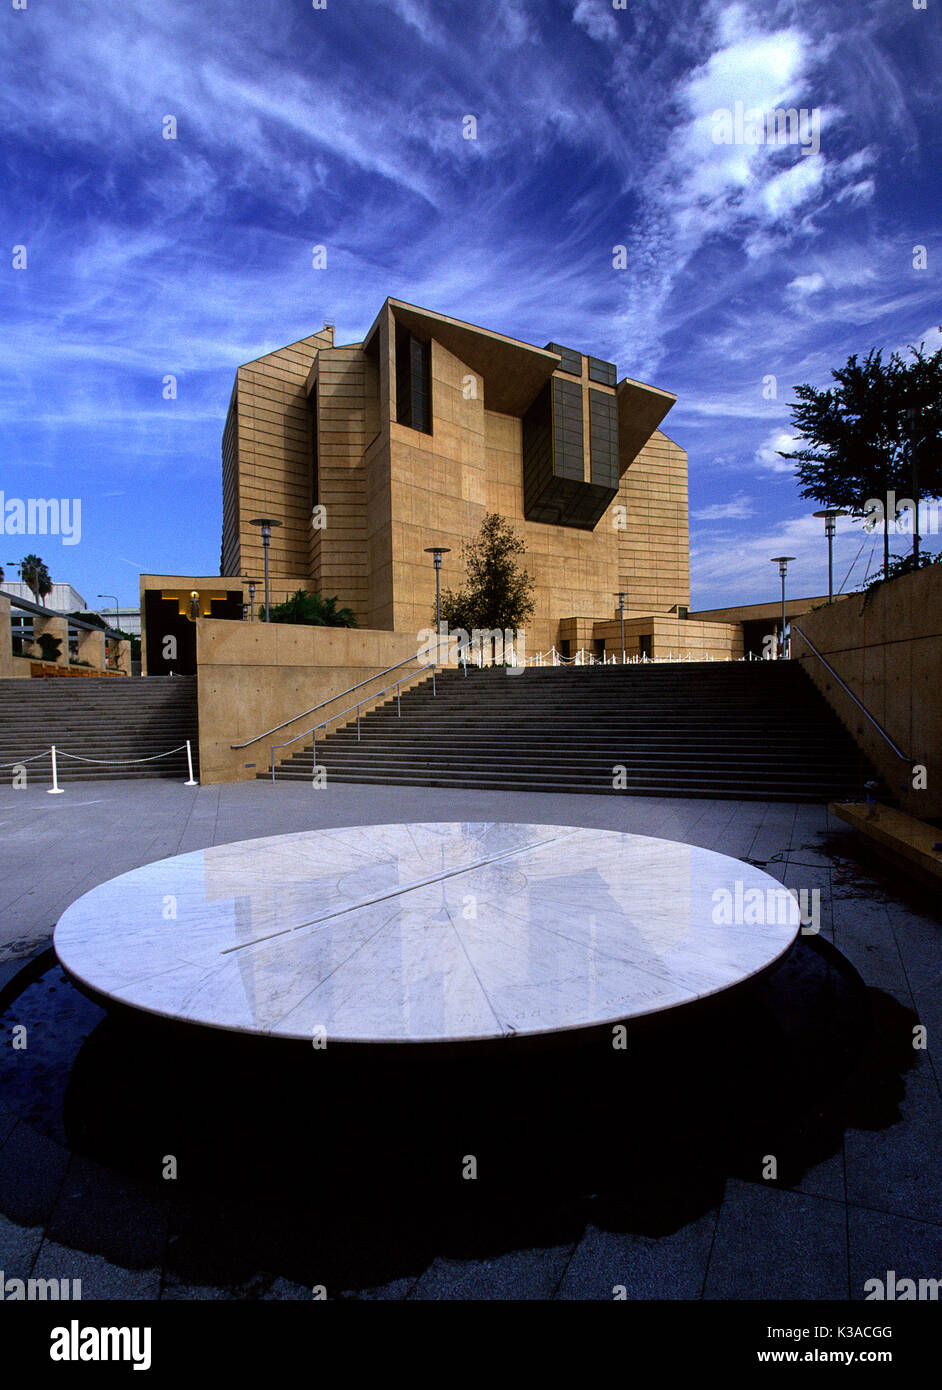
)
(55, 789)
(55, 753)
(19, 761)
(584, 658)
(120, 762)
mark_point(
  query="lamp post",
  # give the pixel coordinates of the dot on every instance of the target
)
(251, 584)
(920, 427)
(782, 562)
(265, 523)
(830, 515)
(117, 613)
(437, 551)
(621, 613)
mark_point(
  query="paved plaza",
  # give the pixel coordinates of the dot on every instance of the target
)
(872, 1205)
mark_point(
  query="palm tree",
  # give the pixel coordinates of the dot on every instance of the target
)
(35, 576)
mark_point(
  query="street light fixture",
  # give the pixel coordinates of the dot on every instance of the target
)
(251, 584)
(830, 515)
(266, 523)
(921, 426)
(437, 551)
(782, 562)
(117, 611)
(621, 611)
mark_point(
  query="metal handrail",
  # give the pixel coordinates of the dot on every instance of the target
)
(864, 711)
(314, 708)
(395, 685)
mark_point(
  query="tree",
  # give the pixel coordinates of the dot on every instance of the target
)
(923, 428)
(899, 565)
(860, 434)
(311, 610)
(497, 593)
(35, 576)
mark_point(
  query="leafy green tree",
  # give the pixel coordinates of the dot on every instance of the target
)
(901, 564)
(922, 413)
(36, 577)
(864, 434)
(311, 610)
(498, 593)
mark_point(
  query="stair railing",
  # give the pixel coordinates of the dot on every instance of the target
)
(394, 685)
(847, 690)
(314, 708)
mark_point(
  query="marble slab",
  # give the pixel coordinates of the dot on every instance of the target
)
(438, 932)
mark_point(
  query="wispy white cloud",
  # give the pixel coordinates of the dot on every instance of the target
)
(736, 509)
(596, 17)
(807, 284)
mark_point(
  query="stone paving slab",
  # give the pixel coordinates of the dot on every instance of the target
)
(19, 1246)
(898, 1169)
(880, 1242)
(776, 1244)
(646, 1267)
(524, 1274)
(100, 1278)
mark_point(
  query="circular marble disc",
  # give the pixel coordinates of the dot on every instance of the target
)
(441, 932)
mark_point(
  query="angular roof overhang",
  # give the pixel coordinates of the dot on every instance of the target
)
(641, 408)
(513, 372)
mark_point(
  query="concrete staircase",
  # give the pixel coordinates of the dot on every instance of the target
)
(746, 730)
(107, 719)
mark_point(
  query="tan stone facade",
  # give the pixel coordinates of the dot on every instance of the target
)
(315, 438)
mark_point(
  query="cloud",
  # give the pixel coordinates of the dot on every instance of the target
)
(767, 455)
(806, 284)
(596, 18)
(736, 566)
(737, 508)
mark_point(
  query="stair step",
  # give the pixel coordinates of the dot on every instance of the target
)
(753, 730)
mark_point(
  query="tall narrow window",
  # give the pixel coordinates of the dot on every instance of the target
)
(413, 381)
(315, 480)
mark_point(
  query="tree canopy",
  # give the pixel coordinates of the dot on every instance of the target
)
(498, 593)
(877, 431)
(35, 576)
(311, 610)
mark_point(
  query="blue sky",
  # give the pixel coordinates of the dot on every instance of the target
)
(342, 126)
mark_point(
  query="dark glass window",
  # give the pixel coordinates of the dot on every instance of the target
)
(605, 373)
(570, 360)
(567, 429)
(603, 438)
(413, 381)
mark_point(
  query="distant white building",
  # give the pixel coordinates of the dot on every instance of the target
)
(63, 599)
(125, 619)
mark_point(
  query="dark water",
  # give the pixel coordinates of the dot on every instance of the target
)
(275, 1142)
